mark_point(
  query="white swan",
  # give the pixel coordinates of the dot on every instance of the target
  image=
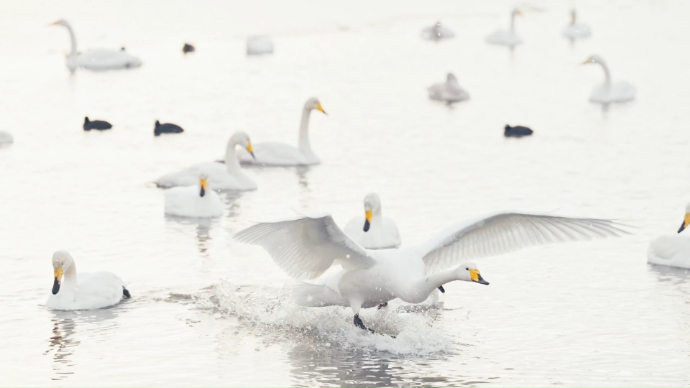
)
(506, 37)
(449, 91)
(437, 32)
(576, 30)
(281, 154)
(6, 138)
(96, 59)
(228, 176)
(609, 92)
(193, 201)
(671, 250)
(373, 231)
(258, 45)
(308, 246)
(90, 291)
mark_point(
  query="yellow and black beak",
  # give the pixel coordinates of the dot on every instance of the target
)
(477, 277)
(251, 150)
(54, 23)
(367, 220)
(202, 187)
(57, 281)
(586, 61)
(319, 107)
(685, 223)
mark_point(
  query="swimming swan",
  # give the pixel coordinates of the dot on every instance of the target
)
(90, 291)
(609, 92)
(96, 59)
(437, 32)
(373, 231)
(306, 247)
(193, 201)
(281, 154)
(449, 91)
(509, 37)
(228, 176)
(576, 30)
(671, 250)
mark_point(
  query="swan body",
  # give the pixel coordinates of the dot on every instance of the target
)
(609, 91)
(96, 59)
(88, 291)
(437, 32)
(258, 45)
(281, 154)
(228, 176)
(576, 30)
(306, 247)
(193, 201)
(506, 37)
(373, 231)
(671, 250)
(449, 91)
(6, 138)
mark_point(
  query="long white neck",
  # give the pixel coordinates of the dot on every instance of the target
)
(68, 288)
(376, 217)
(73, 40)
(512, 22)
(418, 291)
(231, 162)
(607, 74)
(304, 144)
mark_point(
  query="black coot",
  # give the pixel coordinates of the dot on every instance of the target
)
(166, 128)
(517, 131)
(188, 48)
(99, 125)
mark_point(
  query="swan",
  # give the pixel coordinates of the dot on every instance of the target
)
(228, 176)
(258, 45)
(281, 154)
(305, 247)
(193, 201)
(96, 59)
(449, 91)
(576, 30)
(99, 125)
(609, 92)
(437, 32)
(373, 231)
(671, 250)
(6, 138)
(91, 291)
(506, 38)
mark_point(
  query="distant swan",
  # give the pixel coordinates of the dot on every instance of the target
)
(193, 201)
(672, 250)
(449, 91)
(576, 30)
(437, 32)
(87, 292)
(228, 176)
(6, 138)
(258, 45)
(506, 37)
(373, 231)
(609, 92)
(281, 154)
(96, 59)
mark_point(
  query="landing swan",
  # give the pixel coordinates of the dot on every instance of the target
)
(672, 250)
(193, 201)
(91, 291)
(306, 247)
(228, 176)
(437, 32)
(609, 92)
(509, 37)
(576, 30)
(96, 59)
(373, 231)
(281, 154)
(449, 91)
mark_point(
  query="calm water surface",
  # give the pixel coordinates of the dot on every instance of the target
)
(209, 311)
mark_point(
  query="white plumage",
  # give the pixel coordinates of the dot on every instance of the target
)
(609, 91)
(672, 250)
(193, 201)
(576, 30)
(449, 91)
(437, 32)
(506, 37)
(373, 230)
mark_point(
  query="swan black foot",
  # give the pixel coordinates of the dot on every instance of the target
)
(360, 324)
(443, 290)
(382, 305)
(125, 293)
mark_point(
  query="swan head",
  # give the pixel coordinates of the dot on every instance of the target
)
(203, 184)
(314, 104)
(62, 261)
(450, 79)
(573, 16)
(593, 59)
(516, 12)
(372, 204)
(61, 22)
(242, 139)
(686, 219)
(469, 272)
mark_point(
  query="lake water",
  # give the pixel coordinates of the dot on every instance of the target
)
(207, 310)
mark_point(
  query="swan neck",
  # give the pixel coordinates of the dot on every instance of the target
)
(231, 163)
(304, 144)
(421, 289)
(73, 40)
(512, 22)
(607, 74)
(69, 280)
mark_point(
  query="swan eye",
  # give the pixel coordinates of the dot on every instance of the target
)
(467, 269)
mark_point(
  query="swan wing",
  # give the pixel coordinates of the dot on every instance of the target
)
(307, 246)
(503, 232)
